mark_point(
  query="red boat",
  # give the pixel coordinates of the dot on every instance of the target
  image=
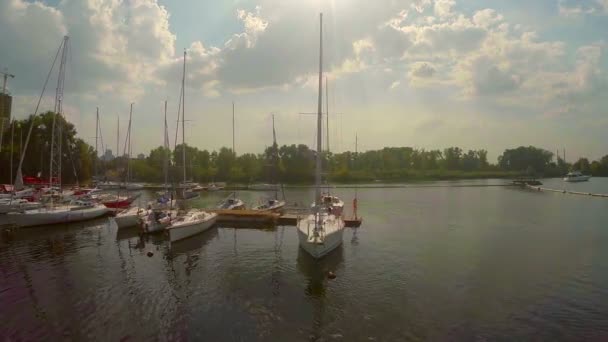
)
(119, 203)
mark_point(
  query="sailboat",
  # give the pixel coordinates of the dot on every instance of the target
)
(231, 202)
(116, 201)
(320, 232)
(54, 214)
(273, 204)
(332, 202)
(194, 221)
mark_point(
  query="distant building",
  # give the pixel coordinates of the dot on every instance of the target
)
(108, 155)
(6, 102)
(141, 156)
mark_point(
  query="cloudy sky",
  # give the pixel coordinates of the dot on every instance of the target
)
(423, 73)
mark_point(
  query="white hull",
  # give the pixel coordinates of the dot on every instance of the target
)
(577, 179)
(17, 206)
(129, 218)
(65, 214)
(328, 240)
(180, 231)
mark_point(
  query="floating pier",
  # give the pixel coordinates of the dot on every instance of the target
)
(245, 218)
(538, 188)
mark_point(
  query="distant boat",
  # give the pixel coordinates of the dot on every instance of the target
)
(576, 176)
(272, 205)
(231, 203)
(320, 232)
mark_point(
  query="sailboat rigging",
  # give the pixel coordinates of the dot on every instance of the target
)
(320, 232)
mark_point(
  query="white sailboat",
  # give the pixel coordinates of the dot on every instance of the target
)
(231, 202)
(186, 192)
(194, 222)
(320, 232)
(273, 204)
(76, 210)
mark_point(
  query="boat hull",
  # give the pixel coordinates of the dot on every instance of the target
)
(577, 179)
(316, 246)
(18, 207)
(42, 217)
(129, 219)
(183, 231)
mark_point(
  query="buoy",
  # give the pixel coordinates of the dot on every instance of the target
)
(150, 253)
(331, 275)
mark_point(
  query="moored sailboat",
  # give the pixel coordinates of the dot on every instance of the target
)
(320, 232)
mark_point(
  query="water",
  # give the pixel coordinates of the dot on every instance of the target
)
(429, 263)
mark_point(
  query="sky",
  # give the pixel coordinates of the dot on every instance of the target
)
(423, 73)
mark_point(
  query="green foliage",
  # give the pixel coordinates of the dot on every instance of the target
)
(77, 156)
(287, 163)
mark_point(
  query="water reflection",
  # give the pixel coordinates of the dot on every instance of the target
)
(316, 270)
(190, 245)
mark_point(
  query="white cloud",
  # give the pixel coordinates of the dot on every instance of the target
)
(582, 7)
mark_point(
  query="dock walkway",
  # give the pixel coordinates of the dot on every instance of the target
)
(538, 188)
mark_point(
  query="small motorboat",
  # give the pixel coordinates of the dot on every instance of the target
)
(576, 176)
(231, 203)
(193, 222)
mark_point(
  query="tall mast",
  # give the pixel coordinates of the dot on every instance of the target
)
(56, 135)
(233, 150)
(166, 146)
(319, 119)
(184, 117)
(274, 159)
(129, 145)
(12, 139)
(117, 136)
(96, 137)
(327, 116)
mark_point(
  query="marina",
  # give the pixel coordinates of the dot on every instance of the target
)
(417, 271)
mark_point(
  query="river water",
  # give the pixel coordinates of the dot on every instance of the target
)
(433, 261)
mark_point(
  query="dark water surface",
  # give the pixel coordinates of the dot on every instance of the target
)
(437, 263)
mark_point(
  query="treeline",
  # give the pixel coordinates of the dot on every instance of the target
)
(76, 155)
(287, 163)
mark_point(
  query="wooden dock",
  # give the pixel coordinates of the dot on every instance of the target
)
(243, 218)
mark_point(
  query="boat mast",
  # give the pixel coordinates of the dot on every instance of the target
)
(56, 135)
(327, 118)
(128, 147)
(184, 117)
(166, 146)
(233, 150)
(18, 182)
(12, 138)
(117, 136)
(96, 137)
(319, 121)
